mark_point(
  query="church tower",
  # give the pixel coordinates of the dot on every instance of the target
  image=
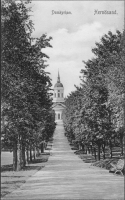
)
(58, 99)
(58, 91)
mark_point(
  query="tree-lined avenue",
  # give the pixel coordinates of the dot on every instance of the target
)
(66, 176)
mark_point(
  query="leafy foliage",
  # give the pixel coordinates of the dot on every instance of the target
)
(94, 114)
(26, 99)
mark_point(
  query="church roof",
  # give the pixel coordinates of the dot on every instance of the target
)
(58, 84)
(59, 104)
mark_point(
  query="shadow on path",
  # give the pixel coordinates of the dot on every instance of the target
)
(66, 176)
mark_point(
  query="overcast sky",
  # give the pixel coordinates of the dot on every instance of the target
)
(74, 35)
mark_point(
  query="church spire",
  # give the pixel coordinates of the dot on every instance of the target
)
(58, 78)
(58, 84)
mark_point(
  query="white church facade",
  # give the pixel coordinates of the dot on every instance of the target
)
(58, 100)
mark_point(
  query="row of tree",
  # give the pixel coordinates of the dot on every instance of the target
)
(94, 115)
(27, 115)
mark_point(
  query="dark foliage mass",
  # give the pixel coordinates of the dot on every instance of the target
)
(27, 115)
(94, 115)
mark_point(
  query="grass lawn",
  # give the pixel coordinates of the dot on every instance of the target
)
(88, 158)
(6, 158)
(11, 180)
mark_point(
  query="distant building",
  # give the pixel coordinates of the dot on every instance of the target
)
(58, 100)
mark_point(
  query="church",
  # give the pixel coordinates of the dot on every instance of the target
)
(58, 100)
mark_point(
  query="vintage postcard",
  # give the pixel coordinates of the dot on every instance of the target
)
(63, 100)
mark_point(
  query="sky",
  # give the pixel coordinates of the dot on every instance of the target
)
(74, 35)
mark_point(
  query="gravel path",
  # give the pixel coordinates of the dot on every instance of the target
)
(66, 176)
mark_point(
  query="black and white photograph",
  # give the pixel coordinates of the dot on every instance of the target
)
(62, 99)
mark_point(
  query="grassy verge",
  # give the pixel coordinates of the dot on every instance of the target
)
(11, 180)
(106, 163)
(87, 158)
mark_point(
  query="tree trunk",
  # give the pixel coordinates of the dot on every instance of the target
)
(82, 147)
(110, 145)
(103, 150)
(42, 148)
(15, 156)
(23, 156)
(95, 153)
(27, 155)
(19, 155)
(34, 153)
(79, 147)
(99, 151)
(37, 154)
(45, 145)
(30, 154)
(91, 150)
(85, 150)
(121, 141)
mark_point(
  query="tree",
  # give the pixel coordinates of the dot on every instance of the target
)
(99, 118)
(26, 98)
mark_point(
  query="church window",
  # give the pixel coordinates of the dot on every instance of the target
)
(55, 94)
(58, 90)
(62, 94)
(58, 115)
(58, 94)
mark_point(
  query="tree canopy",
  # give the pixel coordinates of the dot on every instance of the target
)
(27, 113)
(95, 111)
